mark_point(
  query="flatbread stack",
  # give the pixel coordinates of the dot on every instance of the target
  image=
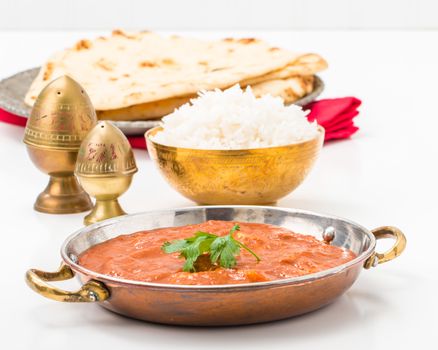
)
(143, 76)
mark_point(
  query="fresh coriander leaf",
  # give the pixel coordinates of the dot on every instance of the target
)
(227, 256)
(216, 248)
(174, 246)
(234, 229)
(192, 251)
(220, 249)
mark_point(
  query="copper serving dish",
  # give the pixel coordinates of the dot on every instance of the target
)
(221, 304)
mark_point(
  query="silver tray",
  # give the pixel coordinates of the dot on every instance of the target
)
(14, 88)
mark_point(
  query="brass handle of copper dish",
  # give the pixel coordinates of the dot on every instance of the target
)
(398, 247)
(92, 291)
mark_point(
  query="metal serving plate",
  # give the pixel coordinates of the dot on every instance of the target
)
(217, 305)
(14, 88)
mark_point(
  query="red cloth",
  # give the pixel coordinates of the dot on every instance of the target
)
(12, 118)
(137, 142)
(335, 115)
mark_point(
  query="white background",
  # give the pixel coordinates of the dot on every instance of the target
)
(385, 175)
(219, 14)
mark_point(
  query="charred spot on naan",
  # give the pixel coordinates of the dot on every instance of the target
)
(168, 61)
(83, 44)
(135, 95)
(105, 64)
(48, 71)
(247, 40)
(119, 32)
(147, 64)
(163, 62)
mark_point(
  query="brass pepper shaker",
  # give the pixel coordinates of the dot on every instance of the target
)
(105, 167)
(61, 117)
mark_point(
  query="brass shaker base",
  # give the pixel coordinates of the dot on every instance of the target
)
(104, 209)
(63, 195)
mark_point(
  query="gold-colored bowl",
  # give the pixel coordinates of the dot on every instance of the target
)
(249, 176)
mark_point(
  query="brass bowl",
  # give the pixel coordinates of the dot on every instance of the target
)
(249, 176)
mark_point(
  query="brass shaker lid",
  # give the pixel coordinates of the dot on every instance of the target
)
(61, 117)
(105, 152)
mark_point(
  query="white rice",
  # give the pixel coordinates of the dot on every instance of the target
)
(235, 119)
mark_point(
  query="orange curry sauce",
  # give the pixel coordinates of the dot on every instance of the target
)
(283, 254)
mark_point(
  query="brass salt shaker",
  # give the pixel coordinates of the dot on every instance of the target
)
(105, 167)
(61, 117)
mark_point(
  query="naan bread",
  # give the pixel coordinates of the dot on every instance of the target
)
(306, 65)
(144, 111)
(290, 89)
(145, 74)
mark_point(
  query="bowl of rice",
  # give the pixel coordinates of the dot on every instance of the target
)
(229, 147)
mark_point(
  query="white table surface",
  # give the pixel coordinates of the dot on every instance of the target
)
(385, 175)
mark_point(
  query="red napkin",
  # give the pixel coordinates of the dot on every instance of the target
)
(335, 115)
(137, 142)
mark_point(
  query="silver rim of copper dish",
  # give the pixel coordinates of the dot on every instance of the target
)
(214, 288)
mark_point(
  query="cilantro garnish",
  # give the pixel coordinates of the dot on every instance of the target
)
(222, 250)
